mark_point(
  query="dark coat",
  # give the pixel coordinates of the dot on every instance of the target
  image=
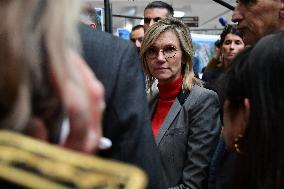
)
(126, 118)
(211, 78)
(223, 167)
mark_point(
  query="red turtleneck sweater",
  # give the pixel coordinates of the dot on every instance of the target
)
(168, 94)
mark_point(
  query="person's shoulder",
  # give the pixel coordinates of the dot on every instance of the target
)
(29, 163)
(201, 90)
(101, 37)
(206, 76)
(203, 94)
(213, 73)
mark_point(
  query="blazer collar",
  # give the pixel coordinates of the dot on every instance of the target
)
(174, 110)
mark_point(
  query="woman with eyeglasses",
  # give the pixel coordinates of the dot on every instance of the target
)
(185, 116)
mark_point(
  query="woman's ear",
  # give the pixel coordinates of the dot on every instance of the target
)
(246, 113)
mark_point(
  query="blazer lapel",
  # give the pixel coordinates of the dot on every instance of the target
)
(176, 107)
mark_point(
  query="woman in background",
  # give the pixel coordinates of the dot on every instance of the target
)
(185, 116)
(231, 43)
(222, 166)
(253, 115)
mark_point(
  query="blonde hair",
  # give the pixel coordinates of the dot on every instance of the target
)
(33, 33)
(14, 83)
(183, 34)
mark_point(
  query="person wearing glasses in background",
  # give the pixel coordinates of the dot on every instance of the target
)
(137, 35)
(184, 115)
(156, 11)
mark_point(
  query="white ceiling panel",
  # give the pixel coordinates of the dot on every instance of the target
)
(208, 12)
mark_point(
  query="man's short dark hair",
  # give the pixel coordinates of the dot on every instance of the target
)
(137, 27)
(160, 5)
(90, 13)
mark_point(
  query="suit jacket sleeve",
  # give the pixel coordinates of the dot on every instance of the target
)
(126, 119)
(203, 135)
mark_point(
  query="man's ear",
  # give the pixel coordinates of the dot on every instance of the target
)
(93, 25)
(281, 12)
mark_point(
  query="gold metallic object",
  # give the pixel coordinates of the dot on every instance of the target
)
(237, 143)
(34, 164)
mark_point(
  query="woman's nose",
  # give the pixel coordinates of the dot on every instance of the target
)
(160, 55)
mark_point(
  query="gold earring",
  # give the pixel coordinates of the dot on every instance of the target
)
(237, 141)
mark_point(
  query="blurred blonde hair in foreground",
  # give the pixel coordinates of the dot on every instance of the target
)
(41, 74)
(33, 34)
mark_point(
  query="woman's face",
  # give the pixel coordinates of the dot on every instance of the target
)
(164, 57)
(231, 46)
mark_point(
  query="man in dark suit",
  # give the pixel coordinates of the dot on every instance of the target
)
(126, 119)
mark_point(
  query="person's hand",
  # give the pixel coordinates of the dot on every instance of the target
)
(83, 99)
